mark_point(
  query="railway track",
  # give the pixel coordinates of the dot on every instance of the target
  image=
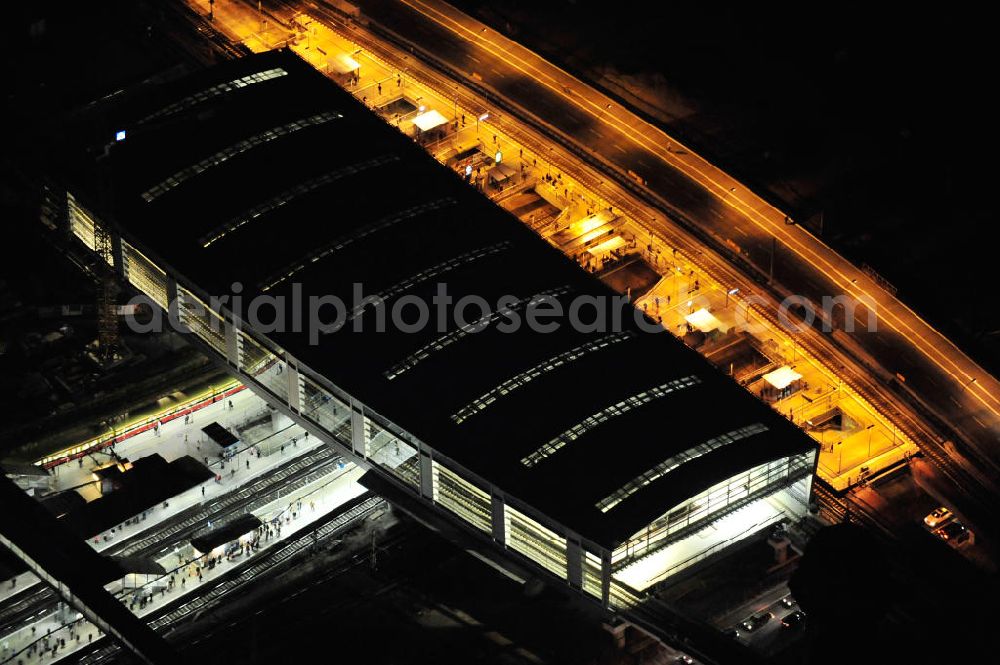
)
(41, 601)
(253, 570)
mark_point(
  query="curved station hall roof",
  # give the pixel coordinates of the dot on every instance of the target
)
(261, 171)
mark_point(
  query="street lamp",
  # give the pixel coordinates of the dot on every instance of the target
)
(480, 118)
(730, 292)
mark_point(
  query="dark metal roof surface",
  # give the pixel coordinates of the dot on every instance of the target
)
(393, 221)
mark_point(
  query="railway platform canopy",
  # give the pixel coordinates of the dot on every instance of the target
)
(470, 362)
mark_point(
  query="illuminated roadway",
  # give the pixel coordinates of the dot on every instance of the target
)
(954, 387)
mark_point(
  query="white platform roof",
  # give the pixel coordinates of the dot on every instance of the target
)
(703, 320)
(429, 120)
(607, 246)
(782, 377)
(344, 64)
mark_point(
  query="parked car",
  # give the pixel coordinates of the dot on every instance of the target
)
(788, 602)
(954, 533)
(794, 620)
(756, 621)
(938, 517)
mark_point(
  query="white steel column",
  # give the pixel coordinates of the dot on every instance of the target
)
(574, 561)
(426, 474)
(232, 344)
(358, 429)
(292, 374)
(497, 517)
(172, 304)
(606, 579)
